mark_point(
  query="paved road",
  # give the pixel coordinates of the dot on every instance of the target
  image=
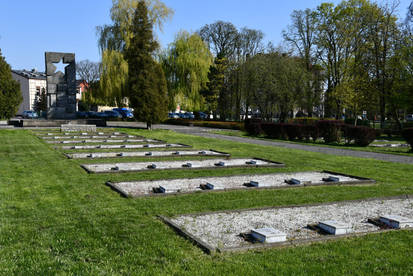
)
(205, 132)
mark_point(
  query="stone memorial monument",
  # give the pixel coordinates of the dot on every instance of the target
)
(61, 87)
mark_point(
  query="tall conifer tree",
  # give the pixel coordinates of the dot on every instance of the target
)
(146, 80)
(10, 96)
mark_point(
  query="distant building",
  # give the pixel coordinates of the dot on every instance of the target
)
(31, 84)
(81, 87)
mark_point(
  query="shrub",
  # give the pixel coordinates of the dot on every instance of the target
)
(407, 134)
(350, 121)
(294, 131)
(330, 130)
(305, 121)
(273, 130)
(361, 135)
(253, 127)
(211, 124)
(309, 131)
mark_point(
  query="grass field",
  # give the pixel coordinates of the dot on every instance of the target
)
(389, 150)
(57, 219)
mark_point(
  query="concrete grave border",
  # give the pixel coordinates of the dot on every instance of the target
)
(108, 141)
(207, 248)
(273, 164)
(119, 146)
(361, 181)
(182, 154)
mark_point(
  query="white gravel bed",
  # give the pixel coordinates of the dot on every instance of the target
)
(104, 141)
(78, 133)
(162, 165)
(223, 229)
(126, 146)
(146, 154)
(185, 185)
(90, 137)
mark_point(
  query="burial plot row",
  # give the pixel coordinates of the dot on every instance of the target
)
(89, 137)
(146, 154)
(105, 141)
(170, 165)
(293, 225)
(137, 146)
(265, 181)
(49, 134)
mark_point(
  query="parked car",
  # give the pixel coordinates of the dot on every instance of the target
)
(125, 112)
(173, 115)
(30, 114)
(112, 114)
(186, 115)
(202, 115)
(409, 117)
(82, 115)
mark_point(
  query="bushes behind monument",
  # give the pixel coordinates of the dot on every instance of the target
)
(332, 131)
(407, 134)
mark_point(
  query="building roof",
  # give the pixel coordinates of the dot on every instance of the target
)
(32, 74)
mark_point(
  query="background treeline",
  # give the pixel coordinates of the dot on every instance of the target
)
(335, 60)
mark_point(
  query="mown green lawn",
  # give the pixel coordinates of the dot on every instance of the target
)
(55, 218)
(407, 151)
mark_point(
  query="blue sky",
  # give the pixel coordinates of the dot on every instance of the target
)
(29, 28)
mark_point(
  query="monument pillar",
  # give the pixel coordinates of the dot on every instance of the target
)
(61, 87)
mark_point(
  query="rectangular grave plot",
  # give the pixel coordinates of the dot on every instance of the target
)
(105, 141)
(227, 224)
(173, 165)
(126, 146)
(238, 182)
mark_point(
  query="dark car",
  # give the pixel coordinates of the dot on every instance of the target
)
(125, 112)
(30, 114)
(112, 114)
(82, 115)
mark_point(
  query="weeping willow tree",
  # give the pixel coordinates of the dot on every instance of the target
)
(186, 65)
(115, 38)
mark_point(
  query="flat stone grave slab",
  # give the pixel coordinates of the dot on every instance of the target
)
(209, 184)
(147, 154)
(77, 128)
(231, 230)
(170, 165)
(105, 141)
(140, 146)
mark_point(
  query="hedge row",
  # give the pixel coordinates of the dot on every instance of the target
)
(407, 134)
(211, 124)
(331, 131)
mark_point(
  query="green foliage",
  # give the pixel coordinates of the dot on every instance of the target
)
(10, 95)
(216, 84)
(147, 88)
(40, 103)
(114, 72)
(186, 64)
(114, 40)
(275, 82)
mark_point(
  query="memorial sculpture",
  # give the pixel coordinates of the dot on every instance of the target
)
(61, 87)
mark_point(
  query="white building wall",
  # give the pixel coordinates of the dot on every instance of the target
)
(33, 84)
(28, 90)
